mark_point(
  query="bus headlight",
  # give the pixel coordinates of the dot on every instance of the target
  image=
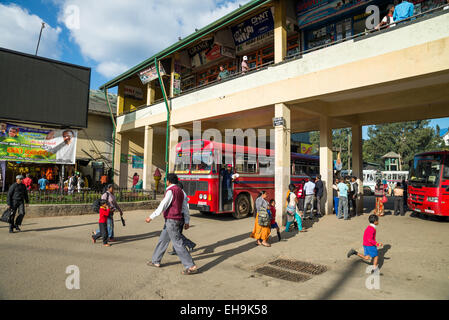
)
(204, 196)
(432, 199)
(201, 196)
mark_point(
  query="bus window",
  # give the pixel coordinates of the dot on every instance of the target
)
(182, 163)
(202, 162)
(267, 167)
(248, 165)
(313, 170)
(446, 169)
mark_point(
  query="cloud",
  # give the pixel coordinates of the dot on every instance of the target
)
(19, 31)
(119, 34)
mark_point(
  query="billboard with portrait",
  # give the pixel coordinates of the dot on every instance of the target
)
(37, 145)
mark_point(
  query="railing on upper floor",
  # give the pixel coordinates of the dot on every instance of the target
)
(385, 28)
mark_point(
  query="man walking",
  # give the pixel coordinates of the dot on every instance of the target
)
(113, 206)
(186, 215)
(172, 208)
(17, 196)
(342, 200)
(353, 193)
(319, 194)
(309, 189)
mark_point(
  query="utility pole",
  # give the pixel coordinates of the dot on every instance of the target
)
(349, 154)
(40, 34)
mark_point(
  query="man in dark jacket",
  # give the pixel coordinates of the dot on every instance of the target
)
(17, 196)
(319, 193)
(353, 194)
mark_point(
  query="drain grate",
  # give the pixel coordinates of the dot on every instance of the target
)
(282, 274)
(300, 266)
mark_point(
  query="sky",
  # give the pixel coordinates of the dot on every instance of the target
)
(109, 36)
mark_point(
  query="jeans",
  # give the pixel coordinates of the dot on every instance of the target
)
(298, 220)
(110, 227)
(171, 232)
(398, 205)
(309, 200)
(103, 233)
(336, 201)
(343, 207)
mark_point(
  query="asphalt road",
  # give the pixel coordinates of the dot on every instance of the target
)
(414, 261)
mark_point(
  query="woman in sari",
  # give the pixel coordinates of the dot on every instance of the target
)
(261, 233)
(379, 193)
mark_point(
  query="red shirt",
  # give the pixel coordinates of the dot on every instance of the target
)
(135, 180)
(104, 213)
(369, 236)
(300, 192)
(273, 214)
(27, 182)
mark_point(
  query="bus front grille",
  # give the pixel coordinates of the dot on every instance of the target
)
(190, 187)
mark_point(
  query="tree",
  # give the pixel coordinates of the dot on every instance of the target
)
(404, 138)
(339, 141)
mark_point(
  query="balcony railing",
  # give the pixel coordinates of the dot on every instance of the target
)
(385, 28)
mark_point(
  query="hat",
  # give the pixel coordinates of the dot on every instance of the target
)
(245, 58)
(229, 165)
(19, 177)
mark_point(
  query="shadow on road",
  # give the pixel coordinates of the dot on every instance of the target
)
(382, 253)
(136, 237)
(59, 228)
(224, 255)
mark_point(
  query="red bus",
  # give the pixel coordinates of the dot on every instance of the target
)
(203, 181)
(428, 190)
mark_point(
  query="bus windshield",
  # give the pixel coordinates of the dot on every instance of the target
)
(182, 163)
(425, 170)
(202, 161)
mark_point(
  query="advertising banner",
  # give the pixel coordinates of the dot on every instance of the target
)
(206, 56)
(306, 148)
(310, 12)
(253, 27)
(150, 74)
(37, 145)
(137, 162)
(133, 93)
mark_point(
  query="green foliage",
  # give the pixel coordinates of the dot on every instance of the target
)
(404, 138)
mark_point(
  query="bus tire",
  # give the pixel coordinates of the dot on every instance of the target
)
(242, 207)
(205, 212)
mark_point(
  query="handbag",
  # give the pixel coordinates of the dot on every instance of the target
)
(6, 216)
(384, 199)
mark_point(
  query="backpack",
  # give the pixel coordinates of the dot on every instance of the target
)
(96, 204)
(264, 217)
(74, 181)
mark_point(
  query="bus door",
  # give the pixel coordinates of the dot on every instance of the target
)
(226, 196)
(445, 187)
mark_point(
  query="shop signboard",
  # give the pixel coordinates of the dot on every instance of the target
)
(306, 148)
(150, 73)
(176, 83)
(133, 93)
(254, 31)
(206, 56)
(137, 162)
(37, 145)
(311, 11)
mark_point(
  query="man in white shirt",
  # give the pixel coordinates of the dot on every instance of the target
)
(309, 189)
(172, 206)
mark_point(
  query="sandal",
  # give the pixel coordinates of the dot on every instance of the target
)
(266, 245)
(151, 264)
(189, 271)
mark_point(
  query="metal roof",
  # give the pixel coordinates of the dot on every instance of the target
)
(97, 102)
(247, 8)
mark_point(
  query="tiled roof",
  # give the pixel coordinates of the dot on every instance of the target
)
(97, 102)
(391, 155)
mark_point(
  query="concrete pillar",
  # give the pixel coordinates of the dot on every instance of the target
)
(326, 162)
(172, 152)
(148, 158)
(282, 137)
(357, 162)
(121, 169)
(280, 30)
(151, 92)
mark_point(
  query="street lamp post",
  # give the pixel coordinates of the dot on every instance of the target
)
(40, 34)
